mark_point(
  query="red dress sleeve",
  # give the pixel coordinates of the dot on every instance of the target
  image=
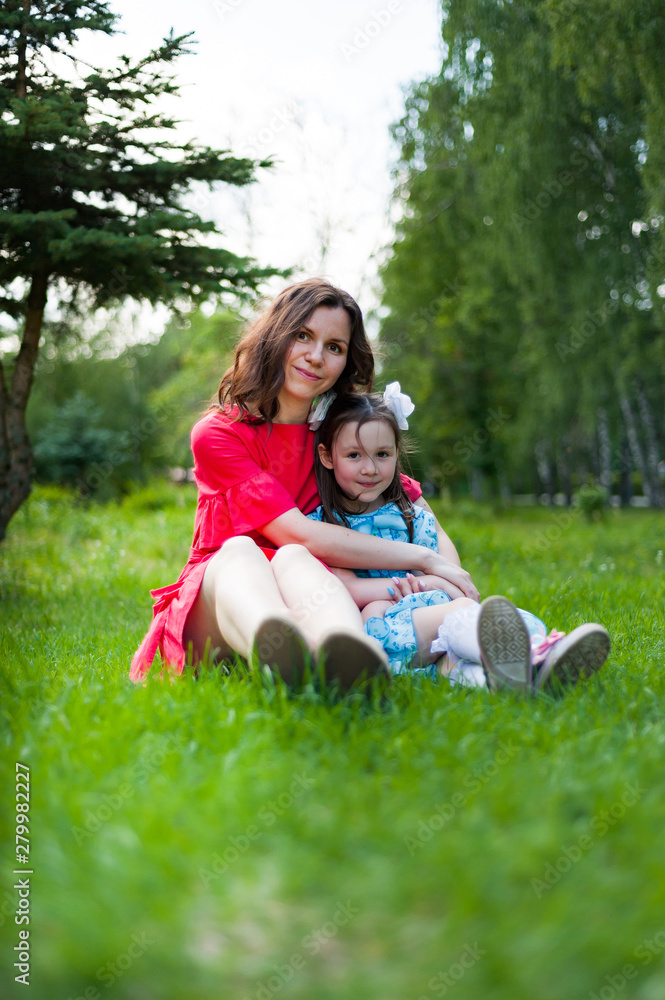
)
(242, 496)
(411, 487)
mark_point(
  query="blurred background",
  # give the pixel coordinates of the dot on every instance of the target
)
(487, 178)
(484, 176)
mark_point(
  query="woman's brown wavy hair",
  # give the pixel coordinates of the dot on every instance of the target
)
(359, 409)
(254, 380)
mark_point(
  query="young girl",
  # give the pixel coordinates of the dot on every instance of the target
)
(416, 621)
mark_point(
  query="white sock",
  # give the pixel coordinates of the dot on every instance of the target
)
(458, 634)
(468, 674)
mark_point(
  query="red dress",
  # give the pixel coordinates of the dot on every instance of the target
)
(247, 475)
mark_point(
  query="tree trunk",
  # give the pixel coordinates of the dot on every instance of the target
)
(15, 448)
(604, 450)
(625, 477)
(504, 486)
(652, 443)
(544, 466)
(634, 445)
(476, 482)
(21, 75)
(563, 468)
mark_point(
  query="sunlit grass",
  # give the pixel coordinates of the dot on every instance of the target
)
(224, 838)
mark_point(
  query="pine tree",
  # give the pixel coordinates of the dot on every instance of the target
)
(92, 182)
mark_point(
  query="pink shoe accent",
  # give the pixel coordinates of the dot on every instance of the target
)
(574, 657)
(541, 647)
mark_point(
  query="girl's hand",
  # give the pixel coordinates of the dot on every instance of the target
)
(402, 586)
(451, 574)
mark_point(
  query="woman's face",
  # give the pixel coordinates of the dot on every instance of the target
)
(316, 358)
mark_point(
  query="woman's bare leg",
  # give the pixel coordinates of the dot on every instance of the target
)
(277, 606)
(316, 598)
(327, 615)
(238, 594)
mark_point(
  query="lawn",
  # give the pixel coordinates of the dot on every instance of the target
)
(222, 837)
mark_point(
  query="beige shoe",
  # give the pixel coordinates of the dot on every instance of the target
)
(280, 645)
(350, 656)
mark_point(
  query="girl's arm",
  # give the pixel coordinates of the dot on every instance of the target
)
(340, 546)
(224, 464)
(365, 590)
(446, 547)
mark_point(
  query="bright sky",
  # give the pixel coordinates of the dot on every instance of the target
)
(314, 84)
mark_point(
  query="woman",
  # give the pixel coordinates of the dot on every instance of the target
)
(255, 579)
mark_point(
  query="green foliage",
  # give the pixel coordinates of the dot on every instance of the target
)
(121, 436)
(158, 495)
(73, 441)
(521, 293)
(200, 354)
(443, 820)
(92, 178)
(626, 38)
(93, 185)
(591, 500)
(107, 422)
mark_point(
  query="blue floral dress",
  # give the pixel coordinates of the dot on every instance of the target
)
(395, 630)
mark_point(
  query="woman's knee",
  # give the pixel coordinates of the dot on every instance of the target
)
(293, 553)
(237, 549)
(235, 552)
(238, 545)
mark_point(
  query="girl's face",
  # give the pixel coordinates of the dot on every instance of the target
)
(315, 360)
(363, 460)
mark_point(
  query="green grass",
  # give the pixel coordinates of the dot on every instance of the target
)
(223, 838)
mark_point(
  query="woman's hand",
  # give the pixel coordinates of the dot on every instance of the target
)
(430, 582)
(451, 575)
(419, 583)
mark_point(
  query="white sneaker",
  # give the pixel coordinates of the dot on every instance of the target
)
(505, 647)
(570, 657)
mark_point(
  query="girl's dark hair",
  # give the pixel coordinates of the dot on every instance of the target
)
(361, 409)
(254, 380)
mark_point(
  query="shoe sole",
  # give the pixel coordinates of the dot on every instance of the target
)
(280, 645)
(575, 657)
(505, 648)
(348, 658)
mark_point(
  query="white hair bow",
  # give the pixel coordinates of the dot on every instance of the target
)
(315, 419)
(399, 403)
